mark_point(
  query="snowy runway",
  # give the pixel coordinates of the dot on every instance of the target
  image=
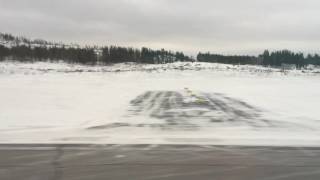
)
(158, 104)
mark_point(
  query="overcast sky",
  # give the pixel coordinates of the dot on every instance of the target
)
(221, 26)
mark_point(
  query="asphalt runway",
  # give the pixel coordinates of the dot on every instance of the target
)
(155, 162)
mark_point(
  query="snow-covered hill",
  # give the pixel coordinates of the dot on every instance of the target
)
(10, 41)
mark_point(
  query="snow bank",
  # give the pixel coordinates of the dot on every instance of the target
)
(11, 67)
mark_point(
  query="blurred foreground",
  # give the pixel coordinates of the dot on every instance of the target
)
(169, 162)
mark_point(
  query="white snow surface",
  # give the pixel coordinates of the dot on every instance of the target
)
(179, 103)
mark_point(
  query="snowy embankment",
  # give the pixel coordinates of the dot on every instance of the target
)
(9, 67)
(180, 103)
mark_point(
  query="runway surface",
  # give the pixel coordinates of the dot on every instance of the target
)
(146, 162)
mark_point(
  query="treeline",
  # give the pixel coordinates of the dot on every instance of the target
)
(276, 58)
(115, 54)
(90, 55)
(70, 55)
(22, 49)
(216, 58)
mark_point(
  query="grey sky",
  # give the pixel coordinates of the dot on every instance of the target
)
(222, 26)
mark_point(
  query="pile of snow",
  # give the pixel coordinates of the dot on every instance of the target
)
(14, 67)
(179, 103)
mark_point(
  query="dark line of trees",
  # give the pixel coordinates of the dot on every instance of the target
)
(115, 54)
(23, 49)
(71, 55)
(89, 55)
(277, 58)
(216, 58)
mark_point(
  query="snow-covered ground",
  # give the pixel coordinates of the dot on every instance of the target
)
(180, 103)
